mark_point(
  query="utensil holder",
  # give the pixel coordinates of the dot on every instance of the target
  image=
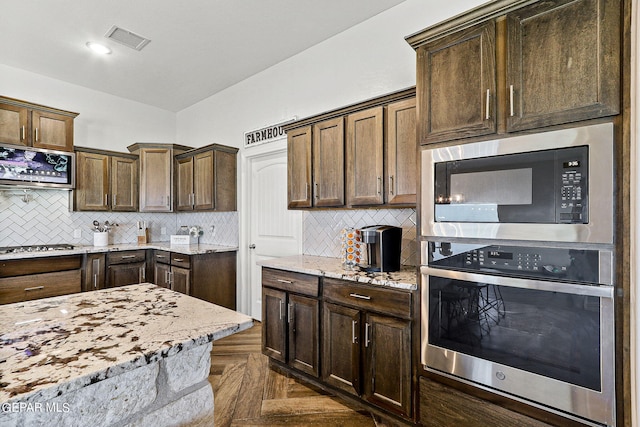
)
(100, 238)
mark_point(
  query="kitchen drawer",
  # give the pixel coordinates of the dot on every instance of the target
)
(163, 257)
(180, 260)
(35, 286)
(24, 266)
(125, 257)
(300, 283)
(368, 297)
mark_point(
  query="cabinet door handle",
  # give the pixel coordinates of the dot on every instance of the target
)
(289, 313)
(354, 339)
(113, 200)
(284, 281)
(35, 288)
(144, 273)
(511, 100)
(95, 281)
(23, 134)
(379, 185)
(106, 200)
(366, 334)
(36, 132)
(280, 306)
(360, 296)
(316, 190)
(487, 115)
(306, 191)
(391, 184)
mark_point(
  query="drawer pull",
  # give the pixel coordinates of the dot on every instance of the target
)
(360, 296)
(284, 281)
(178, 259)
(127, 256)
(160, 256)
(35, 288)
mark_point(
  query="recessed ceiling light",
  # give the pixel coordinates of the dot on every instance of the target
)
(98, 48)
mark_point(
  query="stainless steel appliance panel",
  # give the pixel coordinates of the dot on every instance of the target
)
(510, 344)
(599, 227)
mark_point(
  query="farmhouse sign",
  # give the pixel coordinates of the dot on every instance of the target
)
(265, 134)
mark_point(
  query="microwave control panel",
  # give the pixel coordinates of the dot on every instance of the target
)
(571, 179)
(535, 262)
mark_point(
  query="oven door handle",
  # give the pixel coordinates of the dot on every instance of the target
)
(602, 291)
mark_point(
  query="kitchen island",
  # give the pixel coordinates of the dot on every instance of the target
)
(135, 355)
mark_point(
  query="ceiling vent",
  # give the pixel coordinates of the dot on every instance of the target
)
(127, 38)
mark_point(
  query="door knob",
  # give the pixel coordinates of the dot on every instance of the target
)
(252, 246)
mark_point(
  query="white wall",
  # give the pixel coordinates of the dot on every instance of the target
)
(105, 121)
(364, 61)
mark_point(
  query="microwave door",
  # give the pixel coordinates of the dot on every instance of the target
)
(515, 188)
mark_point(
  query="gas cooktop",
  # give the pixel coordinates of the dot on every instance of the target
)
(34, 248)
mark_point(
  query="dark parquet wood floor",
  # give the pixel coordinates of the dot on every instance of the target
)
(248, 393)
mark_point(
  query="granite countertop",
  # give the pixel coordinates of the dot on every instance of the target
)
(165, 246)
(56, 345)
(406, 278)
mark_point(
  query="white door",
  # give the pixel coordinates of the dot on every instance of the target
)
(273, 231)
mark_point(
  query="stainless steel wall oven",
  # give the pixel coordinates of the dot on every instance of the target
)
(517, 268)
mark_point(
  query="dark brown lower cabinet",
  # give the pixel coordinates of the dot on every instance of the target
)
(94, 272)
(210, 277)
(34, 278)
(213, 278)
(126, 268)
(172, 271)
(366, 351)
(291, 320)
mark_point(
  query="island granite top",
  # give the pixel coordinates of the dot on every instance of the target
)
(406, 278)
(56, 345)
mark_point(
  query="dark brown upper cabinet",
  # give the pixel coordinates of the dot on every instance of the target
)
(328, 163)
(401, 148)
(509, 67)
(299, 168)
(364, 157)
(206, 179)
(456, 85)
(33, 125)
(106, 181)
(563, 62)
(360, 155)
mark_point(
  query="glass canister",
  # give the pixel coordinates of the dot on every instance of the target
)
(351, 247)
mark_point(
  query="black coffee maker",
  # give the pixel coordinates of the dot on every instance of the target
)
(383, 247)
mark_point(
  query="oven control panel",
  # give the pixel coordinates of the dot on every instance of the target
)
(535, 262)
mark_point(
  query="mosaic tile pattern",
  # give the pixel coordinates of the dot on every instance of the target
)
(322, 230)
(47, 219)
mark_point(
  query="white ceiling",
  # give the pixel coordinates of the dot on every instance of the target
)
(198, 47)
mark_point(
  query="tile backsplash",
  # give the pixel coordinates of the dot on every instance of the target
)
(46, 219)
(322, 230)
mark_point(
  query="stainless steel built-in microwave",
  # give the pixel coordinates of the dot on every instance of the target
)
(553, 186)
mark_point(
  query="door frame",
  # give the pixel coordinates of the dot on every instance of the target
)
(244, 274)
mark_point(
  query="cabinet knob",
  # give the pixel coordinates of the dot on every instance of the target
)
(252, 246)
